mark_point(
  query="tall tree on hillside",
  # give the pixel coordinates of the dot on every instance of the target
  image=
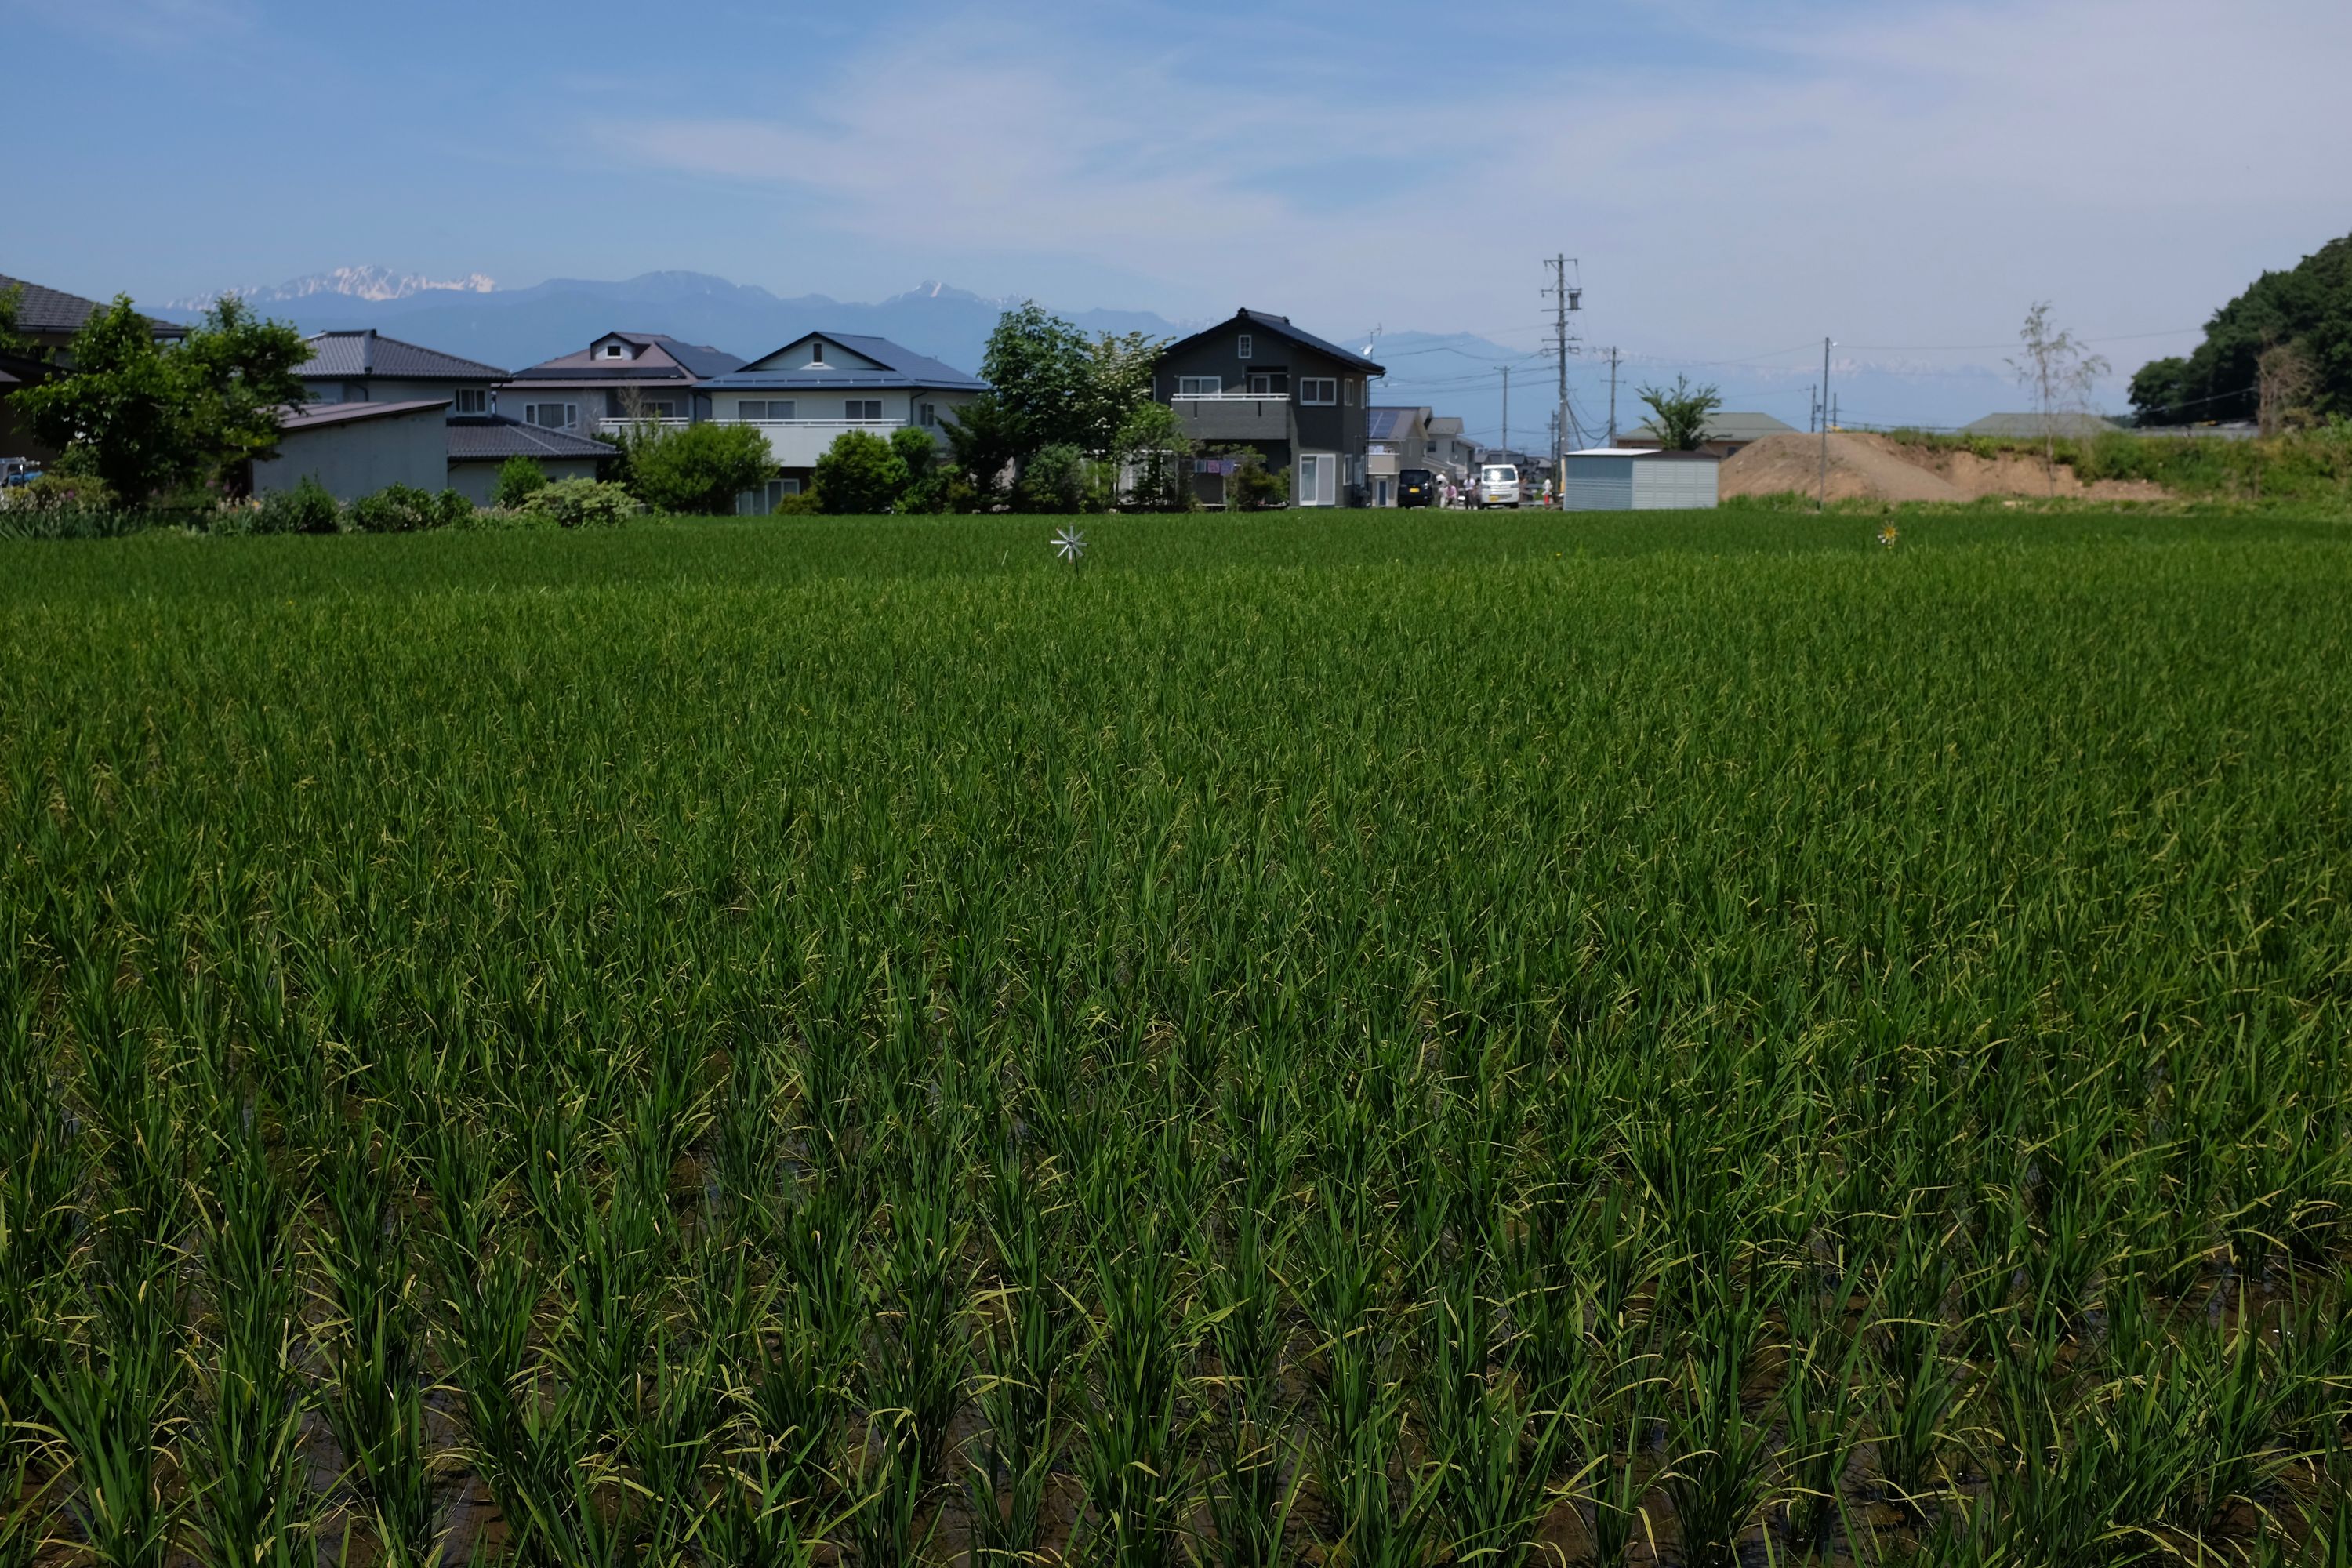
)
(2308, 306)
(2057, 373)
(1679, 413)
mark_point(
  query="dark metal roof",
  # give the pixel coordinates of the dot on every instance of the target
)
(901, 367)
(318, 416)
(664, 358)
(45, 311)
(1280, 327)
(493, 437)
(365, 353)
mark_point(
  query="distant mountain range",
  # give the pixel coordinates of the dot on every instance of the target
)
(516, 326)
(1452, 373)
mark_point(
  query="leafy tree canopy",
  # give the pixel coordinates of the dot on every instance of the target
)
(1679, 413)
(147, 420)
(1057, 388)
(2307, 307)
(859, 475)
(698, 469)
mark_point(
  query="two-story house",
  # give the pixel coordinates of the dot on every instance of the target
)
(806, 393)
(1300, 401)
(347, 369)
(1449, 450)
(620, 378)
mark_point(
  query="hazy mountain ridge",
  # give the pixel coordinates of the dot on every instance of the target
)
(374, 284)
(516, 326)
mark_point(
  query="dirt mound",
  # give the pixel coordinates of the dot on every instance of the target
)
(1873, 467)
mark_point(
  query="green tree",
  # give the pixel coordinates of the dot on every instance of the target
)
(1041, 369)
(1152, 448)
(124, 416)
(519, 476)
(147, 420)
(12, 301)
(859, 475)
(696, 469)
(1679, 413)
(2307, 306)
(926, 488)
(239, 371)
(983, 444)
(1053, 481)
(2056, 373)
(1119, 383)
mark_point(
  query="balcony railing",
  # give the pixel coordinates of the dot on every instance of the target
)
(793, 443)
(1235, 415)
(1232, 397)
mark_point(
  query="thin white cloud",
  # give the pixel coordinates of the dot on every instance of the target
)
(1900, 174)
(148, 25)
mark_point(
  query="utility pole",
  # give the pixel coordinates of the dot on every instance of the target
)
(1824, 503)
(1612, 397)
(1507, 408)
(1565, 300)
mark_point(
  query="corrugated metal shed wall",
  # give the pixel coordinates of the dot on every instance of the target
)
(1673, 484)
(1599, 484)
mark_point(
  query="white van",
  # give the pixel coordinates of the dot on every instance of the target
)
(1499, 485)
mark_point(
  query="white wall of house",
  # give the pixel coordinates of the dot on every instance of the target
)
(468, 397)
(476, 479)
(362, 455)
(800, 425)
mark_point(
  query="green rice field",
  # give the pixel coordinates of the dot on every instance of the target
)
(1359, 1040)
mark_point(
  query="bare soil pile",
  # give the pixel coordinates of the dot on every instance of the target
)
(1873, 468)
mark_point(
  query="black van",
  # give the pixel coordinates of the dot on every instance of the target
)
(1416, 487)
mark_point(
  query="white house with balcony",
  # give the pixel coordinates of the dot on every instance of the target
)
(804, 395)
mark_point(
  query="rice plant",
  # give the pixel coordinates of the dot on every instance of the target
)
(1681, 1039)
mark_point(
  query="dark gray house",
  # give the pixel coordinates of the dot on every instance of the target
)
(1299, 400)
(616, 381)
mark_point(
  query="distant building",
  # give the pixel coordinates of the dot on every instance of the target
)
(2031, 427)
(1299, 401)
(806, 393)
(355, 369)
(1396, 439)
(1726, 433)
(1450, 451)
(620, 377)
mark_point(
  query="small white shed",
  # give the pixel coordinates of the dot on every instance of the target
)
(1621, 479)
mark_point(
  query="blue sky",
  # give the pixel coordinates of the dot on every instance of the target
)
(1736, 179)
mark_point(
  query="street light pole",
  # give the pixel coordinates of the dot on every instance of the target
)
(1824, 503)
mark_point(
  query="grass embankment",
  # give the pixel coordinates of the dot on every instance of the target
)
(1310, 1039)
(2302, 469)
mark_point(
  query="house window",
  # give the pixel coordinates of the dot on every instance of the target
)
(816, 352)
(864, 410)
(754, 411)
(1199, 386)
(1269, 384)
(1314, 474)
(614, 351)
(931, 416)
(1241, 348)
(471, 400)
(551, 415)
(1319, 390)
(1351, 392)
(657, 411)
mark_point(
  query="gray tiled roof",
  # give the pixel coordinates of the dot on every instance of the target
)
(369, 352)
(315, 416)
(1280, 327)
(670, 360)
(901, 367)
(491, 437)
(54, 310)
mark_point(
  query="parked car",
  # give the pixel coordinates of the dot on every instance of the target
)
(18, 471)
(1499, 485)
(1416, 487)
